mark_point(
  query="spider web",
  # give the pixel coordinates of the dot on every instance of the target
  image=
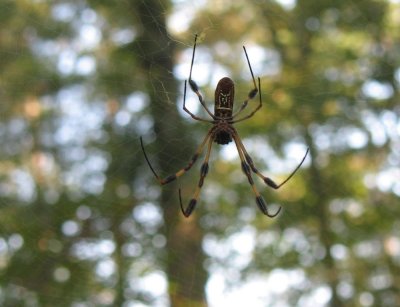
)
(79, 132)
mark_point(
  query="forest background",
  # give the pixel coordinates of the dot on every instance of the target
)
(83, 221)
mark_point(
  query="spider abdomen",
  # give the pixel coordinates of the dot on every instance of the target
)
(224, 95)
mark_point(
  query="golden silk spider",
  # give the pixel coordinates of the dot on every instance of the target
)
(222, 132)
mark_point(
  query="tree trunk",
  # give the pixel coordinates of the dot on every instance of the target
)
(185, 270)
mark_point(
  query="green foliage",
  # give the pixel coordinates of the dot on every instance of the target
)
(83, 221)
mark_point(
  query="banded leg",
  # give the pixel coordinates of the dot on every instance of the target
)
(246, 169)
(203, 173)
(179, 173)
(267, 180)
(253, 92)
(193, 84)
(245, 103)
(190, 113)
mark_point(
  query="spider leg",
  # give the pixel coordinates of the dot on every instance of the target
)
(203, 173)
(246, 169)
(253, 92)
(267, 180)
(251, 70)
(179, 173)
(190, 113)
(194, 86)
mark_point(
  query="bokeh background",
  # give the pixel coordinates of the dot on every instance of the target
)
(83, 222)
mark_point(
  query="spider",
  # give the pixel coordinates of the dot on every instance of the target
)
(222, 132)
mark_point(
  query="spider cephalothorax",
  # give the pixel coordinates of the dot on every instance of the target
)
(222, 132)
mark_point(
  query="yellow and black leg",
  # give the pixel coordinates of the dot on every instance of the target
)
(251, 95)
(203, 173)
(268, 181)
(179, 173)
(201, 101)
(194, 87)
(246, 169)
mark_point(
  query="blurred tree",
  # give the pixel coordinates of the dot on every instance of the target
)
(325, 94)
(37, 263)
(82, 219)
(73, 174)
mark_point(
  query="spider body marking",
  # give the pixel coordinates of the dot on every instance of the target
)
(224, 96)
(222, 132)
(223, 109)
